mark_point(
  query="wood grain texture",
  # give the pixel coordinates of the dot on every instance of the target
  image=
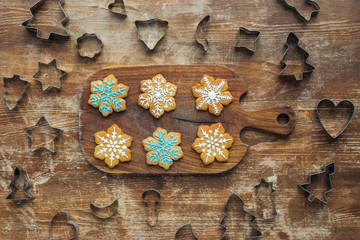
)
(66, 180)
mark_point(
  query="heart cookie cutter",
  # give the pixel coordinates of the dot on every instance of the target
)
(20, 172)
(75, 226)
(352, 111)
(116, 3)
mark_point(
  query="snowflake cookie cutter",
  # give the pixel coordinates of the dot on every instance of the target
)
(328, 169)
(86, 36)
(247, 32)
(305, 53)
(257, 232)
(184, 226)
(155, 209)
(20, 173)
(113, 207)
(75, 227)
(114, 5)
(150, 23)
(312, 2)
(272, 196)
(63, 22)
(6, 81)
(205, 44)
(53, 64)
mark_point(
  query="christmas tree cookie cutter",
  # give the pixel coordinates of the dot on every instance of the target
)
(312, 2)
(63, 22)
(20, 174)
(113, 207)
(305, 53)
(89, 36)
(150, 23)
(54, 65)
(205, 44)
(154, 210)
(272, 196)
(75, 227)
(329, 169)
(114, 5)
(184, 226)
(7, 80)
(247, 32)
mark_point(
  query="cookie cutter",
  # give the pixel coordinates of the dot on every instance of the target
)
(63, 22)
(151, 22)
(306, 55)
(114, 206)
(253, 218)
(20, 172)
(205, 45)
(143, 196)
(7, 101)
(272, 196)
(75, 226)
(183, 226)
(28, 131)
(352, 111)
(312, 2)
(329, 169)
(248, 32)
(53, 63)
(117, 2)
(80, 39)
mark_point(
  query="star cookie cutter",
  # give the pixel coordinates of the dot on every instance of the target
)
(7, 80)
(150, 23)
(52, 63)
(317, 6)
(272, 196)
(255, 228)
(305, 53)
(205, 44)
(73, 224)
(113, 207)
(86, 36)
(346, 124)
(63, 22)
(184, 226)
(20, 173)
(117, 3)
(247, 32)
(329, 169)
(156, 211)
(28, 131)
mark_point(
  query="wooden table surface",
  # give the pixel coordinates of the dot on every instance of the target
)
(65, 180)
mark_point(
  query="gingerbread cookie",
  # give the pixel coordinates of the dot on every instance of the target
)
(212, 94)
(107, 95)
(158, 95)
(113, 146)
(213, 143)
(163, 148)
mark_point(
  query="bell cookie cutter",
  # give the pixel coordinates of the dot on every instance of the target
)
(112, 206)
(20, 172)
(116, 3)
(151, 22)
(7, 80)
(53, 64)
(143, 196)
(73, 224)
(183, 226)
(312, 2)
(346, 124)
(329, 169)
(272, 196)
(84, 37)
(247, 32)
(204, 45)
(63, 22)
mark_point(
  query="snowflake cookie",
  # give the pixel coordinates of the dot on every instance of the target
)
(163, 148)
(107, 95)
(158, 95)
(113, 146)
(212, 94)
(213, 143)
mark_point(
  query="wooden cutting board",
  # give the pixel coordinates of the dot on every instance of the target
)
(140, 124)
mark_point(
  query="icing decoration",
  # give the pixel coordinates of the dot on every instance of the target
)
(213, 143)
(163, 148)
(212, 94)
(113, 146)
(107, 95)
(157, 95)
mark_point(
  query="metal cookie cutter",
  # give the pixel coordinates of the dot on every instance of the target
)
(150, 23)
(272, 196)
(305, 53)
(87, 36)
(73, 224)
(205, 20)
(352, 111)
(183, 226)
(116, 4)
(35, 7)
(248, 32)
(317, 6)
(255, 228)
(20, 172)
(113, 207)
(29, 130)
(53, 64)
(152, 222)
(6, 81)
(329, 169)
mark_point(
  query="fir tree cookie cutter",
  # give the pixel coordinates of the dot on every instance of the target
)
(20, 173)
(89, 37)
(6, 82)
(112, 207)
(329, 169)
(54, 65)
(205, 43)
(63, 22)
(75, 227)
(112, 7)
(247, 32)
(183, 227)
(152, 211)
(148, 39)
(314, 12)
(272, 196)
